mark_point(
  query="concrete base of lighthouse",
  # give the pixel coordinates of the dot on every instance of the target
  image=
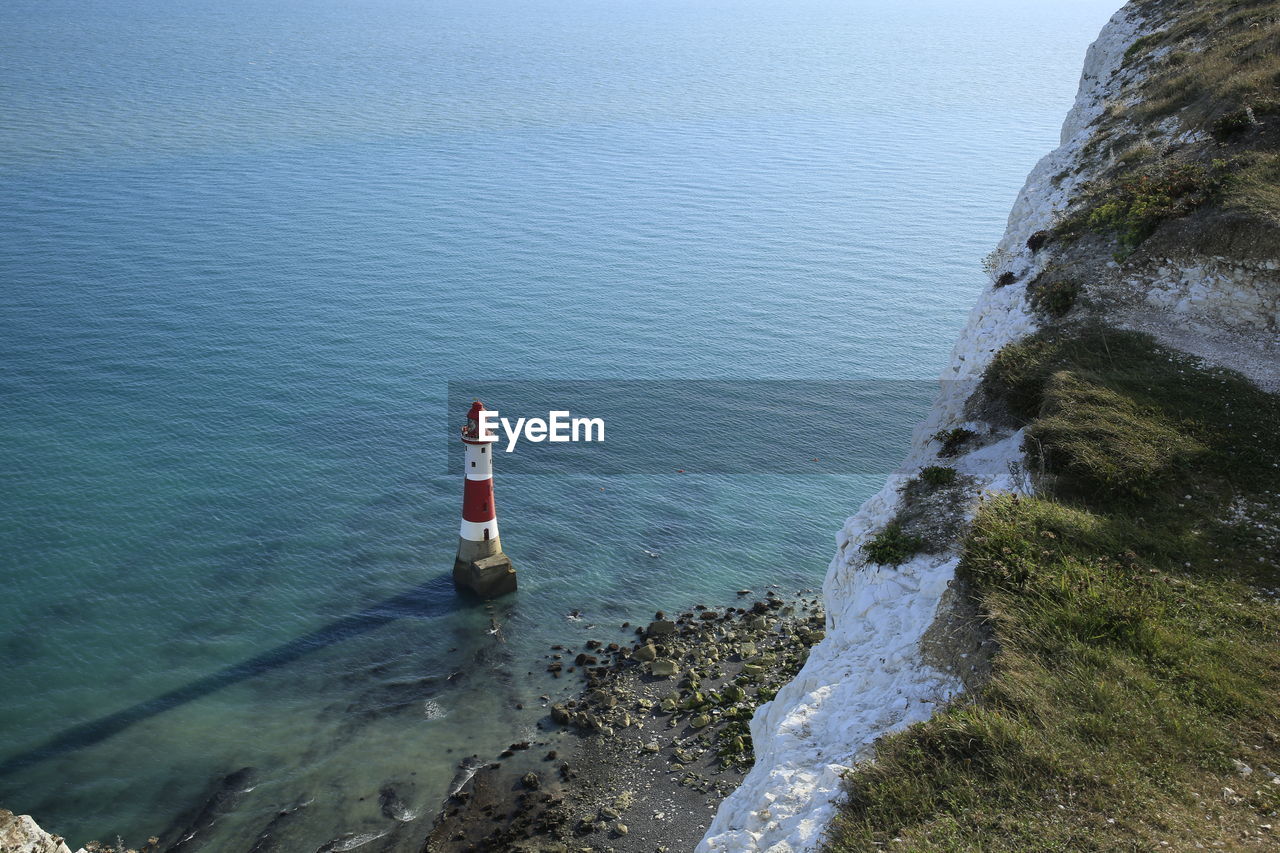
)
(481, 568)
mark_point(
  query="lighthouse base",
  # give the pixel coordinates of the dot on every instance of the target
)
(481, 568)
(487, 578)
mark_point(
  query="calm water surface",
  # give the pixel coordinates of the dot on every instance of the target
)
(244, 246)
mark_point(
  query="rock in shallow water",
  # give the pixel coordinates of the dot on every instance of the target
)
(661, 628)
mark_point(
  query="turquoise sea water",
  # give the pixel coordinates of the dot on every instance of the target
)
(244, 246)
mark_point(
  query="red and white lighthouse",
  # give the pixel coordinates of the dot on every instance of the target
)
(480, 567)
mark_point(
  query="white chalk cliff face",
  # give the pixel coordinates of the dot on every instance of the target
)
(21, 834)
(868, 676)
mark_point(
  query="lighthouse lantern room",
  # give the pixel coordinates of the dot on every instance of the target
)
(480, 567)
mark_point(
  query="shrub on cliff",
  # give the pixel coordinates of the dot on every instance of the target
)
(1054, 298)
(891, 546)
(1134, 206)
(938, 475)
(953, 440)
(1232, 123)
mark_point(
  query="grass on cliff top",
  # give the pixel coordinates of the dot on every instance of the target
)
(1131, 205)
(1208, 58)
(1215, 65)
(1133, 603)
(1255, 188)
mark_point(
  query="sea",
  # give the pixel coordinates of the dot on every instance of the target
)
(257, 257)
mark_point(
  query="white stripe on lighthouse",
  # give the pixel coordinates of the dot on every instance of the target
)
(478, 462)
(473, 531)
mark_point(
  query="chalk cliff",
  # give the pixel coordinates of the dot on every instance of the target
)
(875, 672)
(21, 834)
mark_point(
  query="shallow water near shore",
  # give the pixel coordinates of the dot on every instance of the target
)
(245, 247)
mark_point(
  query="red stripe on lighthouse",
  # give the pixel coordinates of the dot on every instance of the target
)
(477, 500)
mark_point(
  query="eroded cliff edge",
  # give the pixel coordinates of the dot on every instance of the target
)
(1156, 214)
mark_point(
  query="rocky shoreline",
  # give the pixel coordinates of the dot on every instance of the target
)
(657, 737)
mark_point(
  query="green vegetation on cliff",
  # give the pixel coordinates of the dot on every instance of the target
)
(1211, 71)
(1136, 694)
(1134, 701)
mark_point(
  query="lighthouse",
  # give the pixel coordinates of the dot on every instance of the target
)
(480, 567)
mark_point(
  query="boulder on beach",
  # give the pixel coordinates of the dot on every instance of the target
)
(664, 667)
(661, 628)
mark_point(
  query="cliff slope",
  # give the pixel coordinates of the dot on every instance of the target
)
(1102, 579)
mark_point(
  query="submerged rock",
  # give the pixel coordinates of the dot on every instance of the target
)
(392, 806)
(349, 841)
(223, 799)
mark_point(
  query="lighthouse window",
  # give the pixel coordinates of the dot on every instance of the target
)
(486, 534)
(473, 463)
(483, 448)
